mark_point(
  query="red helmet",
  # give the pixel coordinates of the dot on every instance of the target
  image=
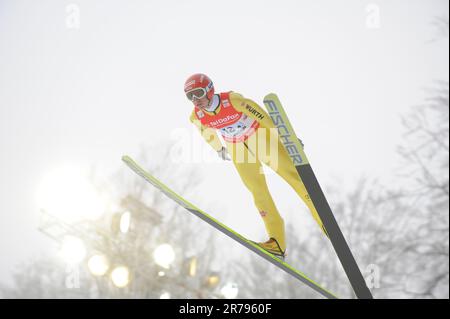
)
(198, 86)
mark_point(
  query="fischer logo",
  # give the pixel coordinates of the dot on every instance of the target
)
(224, 120)
(283, 130)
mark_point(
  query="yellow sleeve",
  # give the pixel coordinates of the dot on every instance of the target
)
(207, 133)
(251, 109)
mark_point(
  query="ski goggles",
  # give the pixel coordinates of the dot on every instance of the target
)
(197, 93)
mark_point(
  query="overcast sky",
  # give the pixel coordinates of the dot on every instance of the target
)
(87, 93)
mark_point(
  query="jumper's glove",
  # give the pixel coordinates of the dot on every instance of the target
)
(223, 154)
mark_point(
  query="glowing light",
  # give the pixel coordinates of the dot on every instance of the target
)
(230, 290)
(165, 295)
(161, 273)
(120, 276)
(98, 265)
(125, 221)
(193, 267)
(66, 193)
(213, 280)
(164, 255)
(73, 250)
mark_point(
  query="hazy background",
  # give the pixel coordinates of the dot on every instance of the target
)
(85, 87)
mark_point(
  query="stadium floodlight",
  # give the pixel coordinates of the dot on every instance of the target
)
(98, 265)
(213, 280)
(192, 267)
(125, 220)
(230, 290)
(164, 255)
(120, 276)
(73, 250)
(66, 193)
(165, 295)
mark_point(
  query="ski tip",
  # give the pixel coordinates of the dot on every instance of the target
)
(270, 96)
(126, 158)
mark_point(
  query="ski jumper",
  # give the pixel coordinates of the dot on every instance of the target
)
(252, 139)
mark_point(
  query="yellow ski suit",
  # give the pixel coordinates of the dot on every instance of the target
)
(253, 141)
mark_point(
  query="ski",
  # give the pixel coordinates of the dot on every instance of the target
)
(226, 230)
(293, 146)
